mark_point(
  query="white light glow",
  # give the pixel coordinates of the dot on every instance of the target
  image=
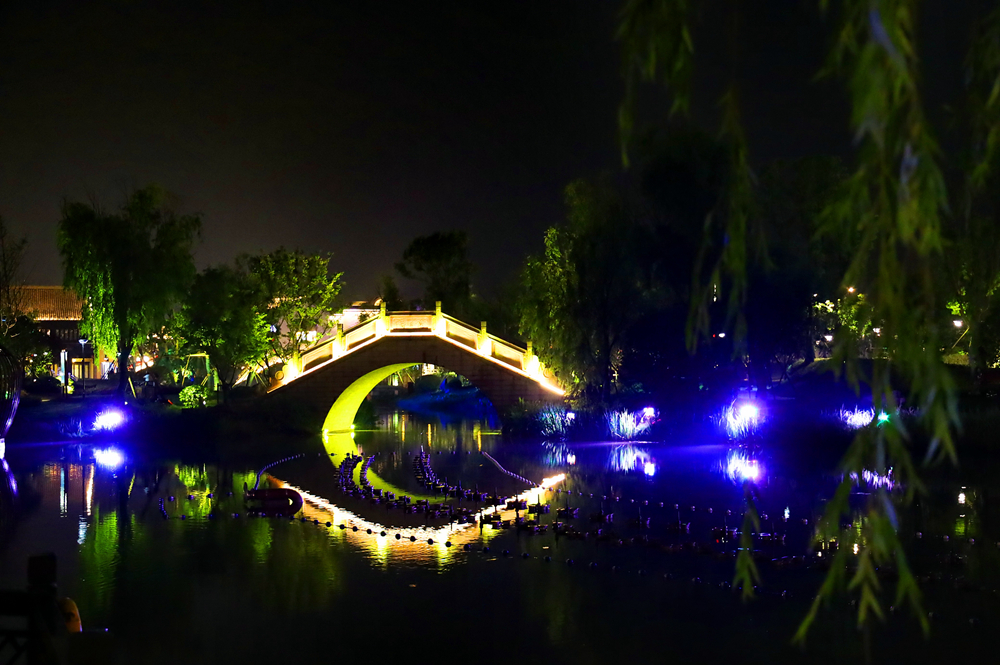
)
(571, 459)
(828, 338)
(109, 420)
(740, 467)
(109, 458)
(722, 335)
(961, 497)
(649, 412)
(649, 469)
(957, 323)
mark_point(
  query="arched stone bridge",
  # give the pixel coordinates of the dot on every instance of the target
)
(339, 374)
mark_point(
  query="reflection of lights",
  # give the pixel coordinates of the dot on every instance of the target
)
(109, 420)
(749, 412)
(961, 497)
(109, 458)
(649, 468)
(552, 480)
(857, 418)
(875, 479)
(741, 467)
(788, 513)
(570, 415)
(627, 457)
(571, 459)
(649, 412)
(63, 496)
(457, 533)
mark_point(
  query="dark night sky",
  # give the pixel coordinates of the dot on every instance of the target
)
(353, 127)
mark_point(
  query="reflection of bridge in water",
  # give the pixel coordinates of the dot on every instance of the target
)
(338, 374)
(414, 543)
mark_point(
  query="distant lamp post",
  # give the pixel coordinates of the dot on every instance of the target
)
(83, 366)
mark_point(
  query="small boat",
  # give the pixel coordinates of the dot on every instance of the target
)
(276, 501)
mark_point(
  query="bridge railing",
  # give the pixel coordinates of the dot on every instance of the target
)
(423, 323)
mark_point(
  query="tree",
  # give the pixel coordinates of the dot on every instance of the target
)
(440, 262)
(388, 291)
(11, 292)
(222, 316)
(895, 203)
(131, 267)
(297, 295)
(581, 298)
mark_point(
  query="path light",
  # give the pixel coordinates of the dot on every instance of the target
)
(957, 323)
(961, 497)
(570, 415)
(850, 289)
(649, 412)
(828, 338)
(722, 335)
(571, 459)
(877, 331)
(108, 420)
(649, 468)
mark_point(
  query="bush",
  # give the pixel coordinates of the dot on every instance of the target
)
(193, 397)
(42, 385)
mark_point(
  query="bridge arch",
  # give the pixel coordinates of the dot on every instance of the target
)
(338, 374)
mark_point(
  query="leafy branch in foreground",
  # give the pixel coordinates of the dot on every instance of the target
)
(894, 206)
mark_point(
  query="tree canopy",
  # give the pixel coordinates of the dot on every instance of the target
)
(440, 262)
(297, 296)
(131, 267)
(223, 315)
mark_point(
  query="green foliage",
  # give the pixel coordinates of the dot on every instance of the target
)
(223, 316)
(296, 294)
(581, 298)
(656, 46)
(440, 262)
(193, 396)
(131, 266)
(890, 215)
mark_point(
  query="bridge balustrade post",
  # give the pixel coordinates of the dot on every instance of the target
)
(382, 323)
(485, 345)
(531, 365)
(337, 344)
(440, 327)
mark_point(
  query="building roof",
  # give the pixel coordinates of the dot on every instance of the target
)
(52, 303)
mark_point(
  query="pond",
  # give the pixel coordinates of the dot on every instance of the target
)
(631, 559)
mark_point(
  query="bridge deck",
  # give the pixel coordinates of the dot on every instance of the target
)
(422, 324)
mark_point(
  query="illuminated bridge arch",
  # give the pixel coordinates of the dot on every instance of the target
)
(338, 374)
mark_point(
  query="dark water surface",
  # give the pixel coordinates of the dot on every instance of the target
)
(196, 580)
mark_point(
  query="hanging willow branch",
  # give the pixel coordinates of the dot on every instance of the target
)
(894, 203)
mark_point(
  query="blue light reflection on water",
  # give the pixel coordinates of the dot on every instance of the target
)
(118, 549)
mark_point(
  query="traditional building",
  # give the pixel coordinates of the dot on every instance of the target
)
(57, 313)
